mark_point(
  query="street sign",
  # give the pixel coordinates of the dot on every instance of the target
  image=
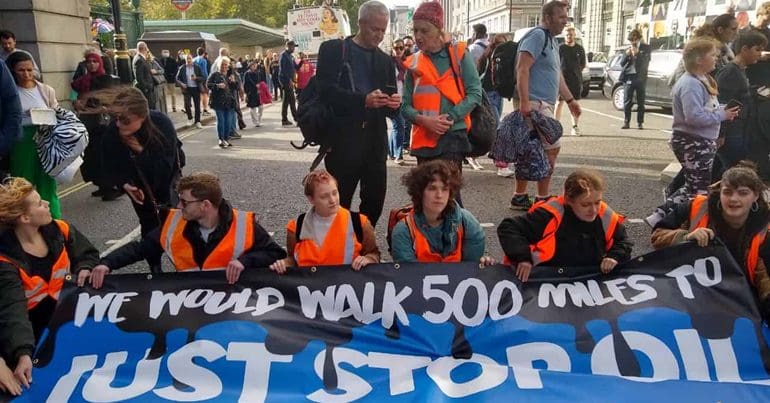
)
(182, 5)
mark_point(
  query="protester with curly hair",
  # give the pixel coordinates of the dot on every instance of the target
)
(438, 229)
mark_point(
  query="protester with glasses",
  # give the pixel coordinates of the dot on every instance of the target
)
(204, 232)
(142, 155)
(37, 253)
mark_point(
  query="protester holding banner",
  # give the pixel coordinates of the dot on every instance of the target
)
(40, 252)
(8, 383)
(328, 234)
(735, 211)
(574, 229)
(204, 233)
(437, 229)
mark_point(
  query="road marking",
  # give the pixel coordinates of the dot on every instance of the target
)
(635, 221)
(661, 115)
(122, 241)
(487, 224)
(602, 114)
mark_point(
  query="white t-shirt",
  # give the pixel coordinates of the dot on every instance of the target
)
(30, 98)
(205, 232)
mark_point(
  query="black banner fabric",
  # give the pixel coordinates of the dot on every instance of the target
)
(676, 324)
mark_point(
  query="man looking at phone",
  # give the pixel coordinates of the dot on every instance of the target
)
(361, 97)
(635, 62)
(190, 79)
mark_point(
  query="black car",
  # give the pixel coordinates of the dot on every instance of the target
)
(662, 66)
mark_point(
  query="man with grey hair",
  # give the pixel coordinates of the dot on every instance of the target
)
(143, 72)
(358, 81)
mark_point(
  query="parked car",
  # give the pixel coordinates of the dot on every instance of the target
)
(662, 66)
(596, 71)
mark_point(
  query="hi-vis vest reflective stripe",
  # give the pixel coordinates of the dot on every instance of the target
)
(428, 88)
(239, 238)
(699, 218)
(545, 249)
(422, 246)
(339, 247)
(35, 288)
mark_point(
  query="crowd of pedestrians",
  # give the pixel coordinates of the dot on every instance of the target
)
(427, 87)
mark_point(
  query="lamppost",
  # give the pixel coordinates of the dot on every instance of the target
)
(122, 61)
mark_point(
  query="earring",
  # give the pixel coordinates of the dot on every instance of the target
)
(755, 207)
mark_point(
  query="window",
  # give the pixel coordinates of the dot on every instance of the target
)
(664, 63)
(533, 20)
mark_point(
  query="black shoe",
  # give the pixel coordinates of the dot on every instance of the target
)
(111, 194)
(287, 123)
(539, 199)
(241, 125)
(641, 126)
(520, 202)
(98, 193)
(235, 135)
(228, 144)
(625, 126)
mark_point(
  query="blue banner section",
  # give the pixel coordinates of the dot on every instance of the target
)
(676, 325)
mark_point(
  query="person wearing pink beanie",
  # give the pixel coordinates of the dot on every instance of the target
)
(440, 103)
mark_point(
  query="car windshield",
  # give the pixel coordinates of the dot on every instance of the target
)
(599, 57)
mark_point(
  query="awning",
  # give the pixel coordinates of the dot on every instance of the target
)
(236, 32)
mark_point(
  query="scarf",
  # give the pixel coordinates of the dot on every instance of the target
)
(83, 83)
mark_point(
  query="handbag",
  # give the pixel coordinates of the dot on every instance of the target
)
(483, 119)
(59, 145)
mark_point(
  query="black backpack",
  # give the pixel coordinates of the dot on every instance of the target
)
(503, 65)
(315, 118)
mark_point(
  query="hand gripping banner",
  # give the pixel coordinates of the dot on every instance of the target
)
(680, 324)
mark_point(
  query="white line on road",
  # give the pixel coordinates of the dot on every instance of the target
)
(661, 115)
(487, 225)
(122, 241)
(602, 114)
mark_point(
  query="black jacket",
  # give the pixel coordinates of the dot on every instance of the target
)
(181, 76)
(641, 62)
(250, 81)
(169, 68)
(578, 243)
(142, 75)
(263, 252)
(363, 132)
(159, 161)
(17, 333)
(220, 98)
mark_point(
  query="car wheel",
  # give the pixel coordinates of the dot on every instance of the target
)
(584, 92)
(618, 96)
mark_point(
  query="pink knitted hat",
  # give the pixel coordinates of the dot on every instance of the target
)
(430, 11)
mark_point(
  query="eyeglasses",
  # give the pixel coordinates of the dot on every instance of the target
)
(398, 47)
(186, 203)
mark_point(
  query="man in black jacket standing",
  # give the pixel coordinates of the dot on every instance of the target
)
(635, 62)
(362, 98)
(143, 72)
(190, 79)
(169, 70)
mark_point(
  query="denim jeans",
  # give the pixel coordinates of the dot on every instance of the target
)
(497, 102)
(232, 121)
(225, 121)
(396, 141)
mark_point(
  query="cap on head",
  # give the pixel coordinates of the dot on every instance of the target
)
(291, 44)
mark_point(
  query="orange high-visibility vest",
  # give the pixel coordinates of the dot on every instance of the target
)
(422, 246)
(239, 238)
(340, 246)
(36, 288)
(699, 218)
(428, 89)
(545, 249)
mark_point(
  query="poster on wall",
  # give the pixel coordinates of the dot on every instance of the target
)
(696, 7)
(660, 11)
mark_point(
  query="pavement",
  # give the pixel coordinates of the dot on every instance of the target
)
(263, 173)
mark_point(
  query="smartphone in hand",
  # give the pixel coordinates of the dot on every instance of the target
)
(733, 103)
(390, 90)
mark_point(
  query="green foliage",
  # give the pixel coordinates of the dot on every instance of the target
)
(271, 13)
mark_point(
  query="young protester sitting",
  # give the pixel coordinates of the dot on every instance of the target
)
(735, 211)
(328, 234)
(574, 229)
(203, 233)
(438, 229)
(39, 252)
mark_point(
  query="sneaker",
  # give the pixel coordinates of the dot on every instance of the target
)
(539, 199)
(521, 202)
(474, 164)
(235, 135)
(198, 125)
(228, 144)
(641, 126)
(505, 172)
(206, 112)
(400, 161)
(287, 123)
(625, 126)
(258, 124)
(190, 122)
(222, 144)
(575, 131)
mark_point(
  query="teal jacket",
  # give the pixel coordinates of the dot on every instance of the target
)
(442, 239)
(470, 78)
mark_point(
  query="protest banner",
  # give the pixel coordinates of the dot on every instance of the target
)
(679, 324)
